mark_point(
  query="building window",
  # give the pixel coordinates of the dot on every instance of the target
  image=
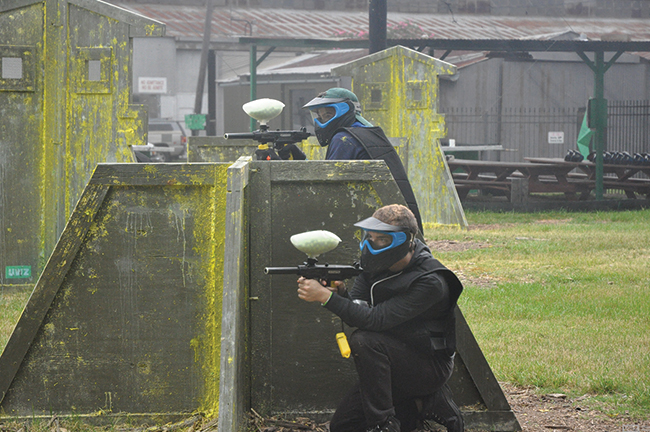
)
(12, 68)
(94, 70)
(17, 68)
(375, 96)
(416, 95)
(91, 70)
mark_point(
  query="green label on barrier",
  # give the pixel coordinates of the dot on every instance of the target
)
(18, 272)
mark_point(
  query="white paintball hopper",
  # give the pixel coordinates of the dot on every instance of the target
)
(314, 243)
(263, 110)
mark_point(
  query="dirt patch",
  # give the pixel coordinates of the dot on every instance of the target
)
(535, 413)
(482, 281)
(488, 227)
(557, 412)
(455, 246)
(493, 227)
(553, 221)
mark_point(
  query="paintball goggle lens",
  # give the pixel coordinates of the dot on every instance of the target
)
(339, 108)
(381, 241)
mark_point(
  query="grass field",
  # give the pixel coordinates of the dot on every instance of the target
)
(557, 301)
(560, 301)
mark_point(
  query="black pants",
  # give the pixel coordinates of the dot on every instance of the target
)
(391, 376)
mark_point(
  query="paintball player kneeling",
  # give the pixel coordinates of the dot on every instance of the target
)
(402, 306)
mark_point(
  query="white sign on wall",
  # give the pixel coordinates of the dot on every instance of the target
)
(152, 85)
(556, 137)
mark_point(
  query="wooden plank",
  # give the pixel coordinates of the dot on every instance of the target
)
(471, 148)
(159, 174)
(490, 165)
(486, 183)
(235, 370)
(49, 283)
(362, 170)
(261, 247)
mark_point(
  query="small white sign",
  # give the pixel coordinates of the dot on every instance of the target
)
(152, 85)
(556, 137)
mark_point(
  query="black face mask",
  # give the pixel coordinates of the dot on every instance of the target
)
(325, 135)
(382, 261)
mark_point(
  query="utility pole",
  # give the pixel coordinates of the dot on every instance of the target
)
(207, 28)
(377, 19)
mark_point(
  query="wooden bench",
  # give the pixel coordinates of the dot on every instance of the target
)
(497, 178)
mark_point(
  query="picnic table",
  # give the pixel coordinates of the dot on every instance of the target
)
(631, 179)
(575, 180)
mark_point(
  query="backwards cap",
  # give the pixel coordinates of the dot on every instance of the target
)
(374, 224)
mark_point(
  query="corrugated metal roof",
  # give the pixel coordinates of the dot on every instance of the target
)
(186, 22)
(324, 58)
(313, 63)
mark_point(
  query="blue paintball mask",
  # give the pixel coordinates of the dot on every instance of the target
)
(382, 244)
(339, 108)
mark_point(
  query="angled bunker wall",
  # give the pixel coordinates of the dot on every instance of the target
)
(126, 316)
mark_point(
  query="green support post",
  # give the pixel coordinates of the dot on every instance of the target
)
(600, 117)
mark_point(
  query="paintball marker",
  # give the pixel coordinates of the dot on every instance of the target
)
(314, 243)
(264, 110)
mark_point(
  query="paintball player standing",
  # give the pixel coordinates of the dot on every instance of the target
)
(348, 136)
(402, 306)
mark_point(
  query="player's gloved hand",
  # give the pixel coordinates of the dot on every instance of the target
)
(266, 154)
(291, 151)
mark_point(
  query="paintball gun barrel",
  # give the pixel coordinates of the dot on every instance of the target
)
(279, 138)
(311, 270)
